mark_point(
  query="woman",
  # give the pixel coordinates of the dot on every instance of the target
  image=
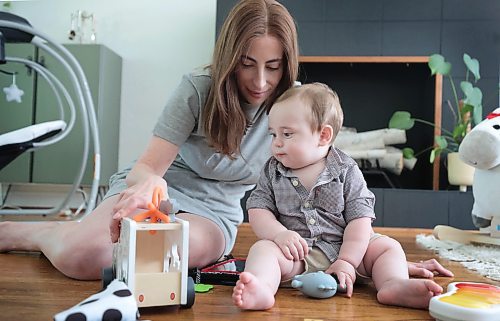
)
(209, 145)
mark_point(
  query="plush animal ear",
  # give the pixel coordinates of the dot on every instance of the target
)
(326, 135)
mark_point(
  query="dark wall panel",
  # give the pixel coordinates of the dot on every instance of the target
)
(405, 27)
(408, 38)
(415, 208)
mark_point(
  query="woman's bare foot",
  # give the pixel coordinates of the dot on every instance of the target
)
(250, 294)
(411, 293)
(20, 236)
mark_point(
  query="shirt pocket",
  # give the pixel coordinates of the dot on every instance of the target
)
(329, 199)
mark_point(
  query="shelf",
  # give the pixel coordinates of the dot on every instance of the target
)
(438, 90)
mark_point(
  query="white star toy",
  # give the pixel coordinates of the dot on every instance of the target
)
(13, 93)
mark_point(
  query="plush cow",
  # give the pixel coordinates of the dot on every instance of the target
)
(481, 149)
(115, 303)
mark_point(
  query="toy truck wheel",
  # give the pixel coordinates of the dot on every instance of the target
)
(190, 294)
(108, 276)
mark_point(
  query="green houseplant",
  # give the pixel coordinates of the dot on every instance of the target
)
(467, 109)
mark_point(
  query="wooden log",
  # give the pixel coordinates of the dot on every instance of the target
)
(389, 158)
(409, 163)
(370, 139)
(366, 154)
(392, 161)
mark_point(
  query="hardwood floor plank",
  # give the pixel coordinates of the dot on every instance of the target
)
(31, 289)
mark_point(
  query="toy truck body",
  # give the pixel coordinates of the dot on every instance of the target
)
(152, 259)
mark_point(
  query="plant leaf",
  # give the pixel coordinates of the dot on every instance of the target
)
(474, 97)
(473, 66)
(441, 142)
(435, 153)
(459, 131)
(408, 153)
(401, 120)
(438, 65)
(477, 116)
(466, 108)
(432, 157)
(466, 87)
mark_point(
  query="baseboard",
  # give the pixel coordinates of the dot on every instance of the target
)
(26, 195)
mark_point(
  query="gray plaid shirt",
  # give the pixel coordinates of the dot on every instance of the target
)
(320, 216)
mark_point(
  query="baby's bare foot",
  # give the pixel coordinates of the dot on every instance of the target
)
(412, 293)
(250, 294)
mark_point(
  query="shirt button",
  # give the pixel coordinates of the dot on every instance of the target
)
(312, 221)
(295, 182)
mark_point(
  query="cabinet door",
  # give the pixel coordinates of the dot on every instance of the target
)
(59, 163)
(14, 115)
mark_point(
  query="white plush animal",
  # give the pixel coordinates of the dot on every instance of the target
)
(115, 303)
(481, 149)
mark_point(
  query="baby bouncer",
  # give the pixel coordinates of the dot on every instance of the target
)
(14, 29)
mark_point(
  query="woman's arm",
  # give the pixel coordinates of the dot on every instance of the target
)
(155, 161)
(145, 176)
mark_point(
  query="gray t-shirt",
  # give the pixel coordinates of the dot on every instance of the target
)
(320, 215)
(200, 180)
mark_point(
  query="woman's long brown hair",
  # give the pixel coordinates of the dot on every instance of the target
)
(224, 120)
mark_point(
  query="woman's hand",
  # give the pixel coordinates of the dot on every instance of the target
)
(133, 199)
(293, 246)
(346, 275)
(427, 269)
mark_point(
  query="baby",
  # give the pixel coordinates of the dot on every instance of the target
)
(312, 211)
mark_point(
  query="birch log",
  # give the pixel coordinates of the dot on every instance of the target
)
(371, 139)
(392, 161)
(409, 163)
(366, 154)
(389, 158)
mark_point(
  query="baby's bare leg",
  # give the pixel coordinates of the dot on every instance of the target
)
(385, 261)
(264, 269)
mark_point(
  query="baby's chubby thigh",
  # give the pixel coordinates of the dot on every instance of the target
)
(381, 250)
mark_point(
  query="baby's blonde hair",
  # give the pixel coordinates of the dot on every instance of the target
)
(323, 102)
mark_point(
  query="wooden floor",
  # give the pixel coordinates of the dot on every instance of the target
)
(31, 289)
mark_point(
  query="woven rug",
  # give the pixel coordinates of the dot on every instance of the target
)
(484, 260)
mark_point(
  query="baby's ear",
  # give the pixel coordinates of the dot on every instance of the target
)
(326, 135)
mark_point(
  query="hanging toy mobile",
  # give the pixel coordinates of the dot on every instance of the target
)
(13, 93)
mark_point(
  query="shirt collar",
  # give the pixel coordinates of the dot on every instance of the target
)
(334, 164)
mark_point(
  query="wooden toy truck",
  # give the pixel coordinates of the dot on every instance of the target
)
(152, 259)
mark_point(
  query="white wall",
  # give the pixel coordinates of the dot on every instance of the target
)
(159, 40)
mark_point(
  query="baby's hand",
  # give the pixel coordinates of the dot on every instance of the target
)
(346, 274)
(293, 246)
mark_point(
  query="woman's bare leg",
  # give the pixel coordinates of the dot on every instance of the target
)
(78, 249)
(206, 240)
(81, 249)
